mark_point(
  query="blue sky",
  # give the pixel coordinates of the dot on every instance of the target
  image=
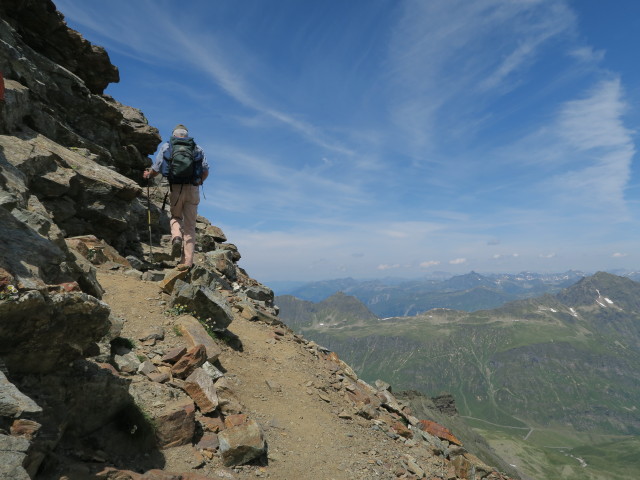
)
(395, 138)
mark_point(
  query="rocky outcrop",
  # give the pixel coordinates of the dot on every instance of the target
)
(43, 29)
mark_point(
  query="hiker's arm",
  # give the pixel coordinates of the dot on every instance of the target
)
(149, 173)
(157, 164)
(205, 165)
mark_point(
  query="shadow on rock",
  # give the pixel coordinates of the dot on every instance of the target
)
(89, 416)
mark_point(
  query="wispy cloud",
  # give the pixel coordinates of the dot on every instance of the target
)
(168, 36)
(453, 53)
(602, 150)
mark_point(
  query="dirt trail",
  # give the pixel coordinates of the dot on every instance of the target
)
(284, 387)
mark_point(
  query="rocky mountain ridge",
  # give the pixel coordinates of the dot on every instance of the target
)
(468, 292)
(98, 381)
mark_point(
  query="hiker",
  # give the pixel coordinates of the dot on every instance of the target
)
(185, 166)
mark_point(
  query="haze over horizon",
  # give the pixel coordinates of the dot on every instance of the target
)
(382, 138)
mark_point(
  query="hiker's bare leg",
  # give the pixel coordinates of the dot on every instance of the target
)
(189, 215)
(177, 205)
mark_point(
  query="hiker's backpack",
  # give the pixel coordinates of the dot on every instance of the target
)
(182, 167)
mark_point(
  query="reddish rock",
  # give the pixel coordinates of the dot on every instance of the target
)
(191, 360)
(111, 473)
(173, 355)
(213, 423)
(175, 424)
(199, 386)
(64, 287)
(229, 402)
(169, 282)
(195, 334)
(235, 420)
(95, 250)
(25, 428)
(401, 429)
(438, 430)
(209, 441)
(109, 367)
(5, 279)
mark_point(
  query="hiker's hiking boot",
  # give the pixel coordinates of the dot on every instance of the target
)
(176, 247)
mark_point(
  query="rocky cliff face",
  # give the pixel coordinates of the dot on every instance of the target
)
(75, 392)
(68, 156)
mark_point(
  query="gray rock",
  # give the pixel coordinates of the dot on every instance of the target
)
(260, 293)
(153, 276)
(13, 402)
(136, 263)
(241, 444)
(230, 247)
(128, 363)
(154, 332)
(222, 261)
(212, 371)
(74, 322)
(133, 273)
(205, 276)
(382, 385)
(13, 452)
(207, 304)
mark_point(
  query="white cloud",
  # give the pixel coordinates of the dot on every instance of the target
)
(429, 263)
(498, 256)
(619, 255)
(458, 261)
(547, 255)
(388, 267)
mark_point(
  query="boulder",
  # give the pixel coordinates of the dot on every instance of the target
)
(260, 293)
(207, 305)
(169, 281)
(13, 452)
(199, 386)
(39, 332)
(438, 430)
(13, 403)
(222, 261)
(228, 401)
(192, 359)
(195, 334)
(175, 423)
(230, 247)
(206, 276)
(241, 444)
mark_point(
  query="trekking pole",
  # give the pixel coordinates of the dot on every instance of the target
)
(149, 220)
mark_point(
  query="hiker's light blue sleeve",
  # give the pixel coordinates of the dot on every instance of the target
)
(200, 154)
(157, 164)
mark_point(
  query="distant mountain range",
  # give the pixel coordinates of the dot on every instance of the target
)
(472, 291)
(568, 361)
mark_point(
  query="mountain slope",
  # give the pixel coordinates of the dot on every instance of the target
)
(569, 361)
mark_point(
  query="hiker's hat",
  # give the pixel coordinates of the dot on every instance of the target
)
(180, 131)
